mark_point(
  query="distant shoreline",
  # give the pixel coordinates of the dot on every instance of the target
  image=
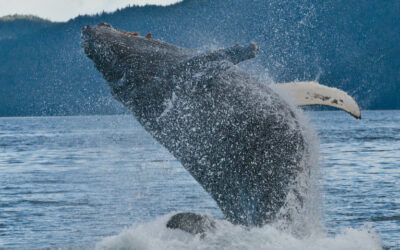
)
(129, 114)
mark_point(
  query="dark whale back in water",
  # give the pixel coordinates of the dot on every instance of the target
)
(233, 134)
(192, 223)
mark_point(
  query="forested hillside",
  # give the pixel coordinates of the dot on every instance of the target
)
(353, 45)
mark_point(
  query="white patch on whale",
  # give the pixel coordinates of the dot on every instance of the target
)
(313, 93)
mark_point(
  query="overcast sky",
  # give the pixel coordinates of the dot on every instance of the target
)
(62, 10)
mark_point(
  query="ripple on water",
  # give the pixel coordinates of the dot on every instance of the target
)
(75, 181)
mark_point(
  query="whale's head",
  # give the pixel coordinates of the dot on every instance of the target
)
(117, 53)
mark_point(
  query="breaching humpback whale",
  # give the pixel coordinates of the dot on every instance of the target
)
(239, 139)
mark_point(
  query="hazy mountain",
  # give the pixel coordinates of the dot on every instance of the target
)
(13, 26)
(351, 44)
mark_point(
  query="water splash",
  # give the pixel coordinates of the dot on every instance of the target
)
(154, 235)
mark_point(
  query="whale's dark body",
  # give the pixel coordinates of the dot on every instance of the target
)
(234, 135)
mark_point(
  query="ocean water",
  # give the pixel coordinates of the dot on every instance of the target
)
(102, 182)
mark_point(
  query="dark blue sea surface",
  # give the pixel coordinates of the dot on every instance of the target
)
(72, 182)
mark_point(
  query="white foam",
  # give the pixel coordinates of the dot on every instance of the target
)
(155, 235)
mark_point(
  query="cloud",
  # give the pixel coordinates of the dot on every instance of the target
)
(62, 10)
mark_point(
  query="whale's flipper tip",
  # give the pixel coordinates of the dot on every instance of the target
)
(357, 117)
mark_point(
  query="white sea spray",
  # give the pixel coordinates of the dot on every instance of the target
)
(154, 235)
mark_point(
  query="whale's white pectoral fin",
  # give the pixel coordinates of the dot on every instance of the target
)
(313, 93)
